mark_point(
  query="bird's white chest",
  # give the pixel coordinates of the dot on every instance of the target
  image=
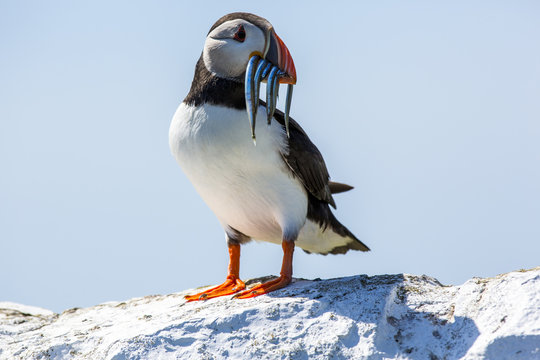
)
(248, 187)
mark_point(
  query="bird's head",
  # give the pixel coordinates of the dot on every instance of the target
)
(235, 38)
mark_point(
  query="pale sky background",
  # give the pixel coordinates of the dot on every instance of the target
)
(430, 109)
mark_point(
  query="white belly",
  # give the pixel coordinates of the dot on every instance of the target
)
(248, 187)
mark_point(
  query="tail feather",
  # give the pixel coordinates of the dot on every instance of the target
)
(319, 212)
(336, 188)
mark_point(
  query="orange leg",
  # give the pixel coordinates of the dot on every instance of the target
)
(233, 283)
(280, 282)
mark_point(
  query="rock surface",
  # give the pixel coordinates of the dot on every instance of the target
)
(359, 317)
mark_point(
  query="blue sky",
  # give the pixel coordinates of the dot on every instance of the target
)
(430, 109)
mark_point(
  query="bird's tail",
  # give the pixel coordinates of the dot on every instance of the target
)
(337, 229)
(324, 234)
(336, 188)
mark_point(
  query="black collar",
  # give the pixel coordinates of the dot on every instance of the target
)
(208, 88)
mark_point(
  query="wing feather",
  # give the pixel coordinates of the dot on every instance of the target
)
(306, 161)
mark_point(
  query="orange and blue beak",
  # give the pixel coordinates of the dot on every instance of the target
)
(277, 67)
(279, 55)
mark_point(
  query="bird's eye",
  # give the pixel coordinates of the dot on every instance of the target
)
(240, 34)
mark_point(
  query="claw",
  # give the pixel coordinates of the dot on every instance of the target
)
(288, 107)
(229, 287)
(271, 93)
(250, 92)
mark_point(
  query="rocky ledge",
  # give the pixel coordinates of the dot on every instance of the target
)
(358, 317)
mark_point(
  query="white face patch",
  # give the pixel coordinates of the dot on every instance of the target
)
(226, 57)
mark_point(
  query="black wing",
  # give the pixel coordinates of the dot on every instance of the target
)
(306, 161)
(307, 164)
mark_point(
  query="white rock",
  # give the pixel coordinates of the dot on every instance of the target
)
(359, 317)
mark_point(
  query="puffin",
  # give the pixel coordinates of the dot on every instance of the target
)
(277, 190)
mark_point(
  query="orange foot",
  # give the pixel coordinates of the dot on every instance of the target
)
(264, 288)
(280, 282)
(230, 286)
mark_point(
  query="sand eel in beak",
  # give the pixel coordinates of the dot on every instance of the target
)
(274, 67)
(278, 191)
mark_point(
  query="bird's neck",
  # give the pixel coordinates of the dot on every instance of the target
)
(207, 88)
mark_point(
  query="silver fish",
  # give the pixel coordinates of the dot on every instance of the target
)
(288, 107)
(271, 93)
(250, 93)
(257, 71)
(262, 67)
